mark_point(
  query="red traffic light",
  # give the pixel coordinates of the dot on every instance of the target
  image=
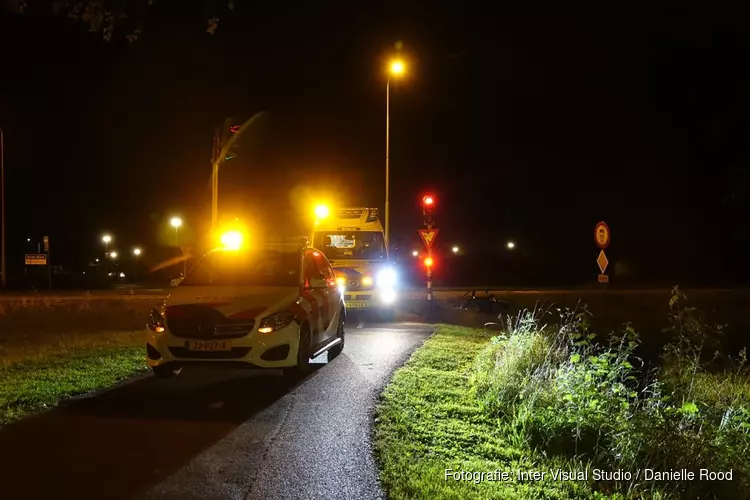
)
(428, 200)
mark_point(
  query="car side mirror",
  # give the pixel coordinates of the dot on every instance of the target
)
(176, 281)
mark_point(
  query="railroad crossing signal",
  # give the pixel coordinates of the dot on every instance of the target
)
(428, 210)
(428, 237)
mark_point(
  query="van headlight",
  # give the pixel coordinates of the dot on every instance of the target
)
(274, 322)
(387, 278)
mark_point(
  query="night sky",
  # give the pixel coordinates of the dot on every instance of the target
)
(530, 124)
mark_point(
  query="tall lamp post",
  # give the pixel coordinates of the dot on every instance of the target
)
(106, 239)
(395, 69)
(176, 223)
(137, 253)
(2, 188)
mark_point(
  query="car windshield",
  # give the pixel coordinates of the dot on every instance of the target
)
(365, 245)
(246, 268)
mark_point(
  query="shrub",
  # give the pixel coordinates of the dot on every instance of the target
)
(593, 402)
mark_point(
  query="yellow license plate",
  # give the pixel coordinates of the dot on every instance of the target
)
(356, 304)
(210, 345)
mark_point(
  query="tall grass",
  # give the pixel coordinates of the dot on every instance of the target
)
(592, 400)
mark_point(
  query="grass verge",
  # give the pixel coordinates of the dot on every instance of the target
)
(429, 420)
(548, 398)
(40, 381)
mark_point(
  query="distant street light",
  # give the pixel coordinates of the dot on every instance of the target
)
(511, 245)
(106, 239)
(396, 68)
(137, 253)
(415, 253)
(176, 224)
(113, 255)
(454, 249)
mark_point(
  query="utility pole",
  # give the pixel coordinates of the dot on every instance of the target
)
(2, 188)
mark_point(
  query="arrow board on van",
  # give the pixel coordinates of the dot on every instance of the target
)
(428, 236)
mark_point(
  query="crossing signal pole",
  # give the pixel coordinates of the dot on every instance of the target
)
(428, 236)
(224, 144)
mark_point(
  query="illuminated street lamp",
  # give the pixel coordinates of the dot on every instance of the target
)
(176, 223)
(511, 245)
(415, 253)
(454, 250)
(137, 253)
(396, 69)
(113, 255)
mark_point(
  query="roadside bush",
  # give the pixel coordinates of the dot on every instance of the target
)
(592, 402)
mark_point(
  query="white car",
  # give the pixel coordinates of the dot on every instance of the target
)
(270, 307)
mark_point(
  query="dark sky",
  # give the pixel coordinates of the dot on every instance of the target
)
(527, 123)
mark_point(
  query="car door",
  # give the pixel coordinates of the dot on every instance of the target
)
(333, 296)
(316, 298)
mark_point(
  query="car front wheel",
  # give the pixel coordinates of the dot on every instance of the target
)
(303, 353)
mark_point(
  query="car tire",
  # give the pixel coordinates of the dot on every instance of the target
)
(303, 353)
(334, 351)
(166, 371)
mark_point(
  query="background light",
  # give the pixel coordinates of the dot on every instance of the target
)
(176, 222)
(106, 238)
(322, 211)
(428, 262)
(511, 245)
(137, 251)
(232, 240)
(454, 249)
(113, 255)
(415, 253)
(397, 67)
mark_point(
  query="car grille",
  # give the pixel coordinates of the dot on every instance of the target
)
(357, 285)
(357, 297)
(234, 353)
(196, 321)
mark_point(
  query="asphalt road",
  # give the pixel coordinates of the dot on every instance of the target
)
(216, 434)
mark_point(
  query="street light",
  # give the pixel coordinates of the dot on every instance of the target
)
(137, 253)
(511, 245)
(454, 249)
(415, 253)
(396, 68)
(106, 239)
(176, 223)
(113, 255)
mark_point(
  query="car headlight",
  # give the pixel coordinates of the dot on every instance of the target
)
(274, 322)
(387, 278)
(156, 321)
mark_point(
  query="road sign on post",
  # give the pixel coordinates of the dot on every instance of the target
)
(36, 259)
(428, 237)
(602, 237)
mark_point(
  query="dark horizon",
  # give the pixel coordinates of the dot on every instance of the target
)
(527, 126)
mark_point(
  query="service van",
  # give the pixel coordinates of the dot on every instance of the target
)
(353, 240)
